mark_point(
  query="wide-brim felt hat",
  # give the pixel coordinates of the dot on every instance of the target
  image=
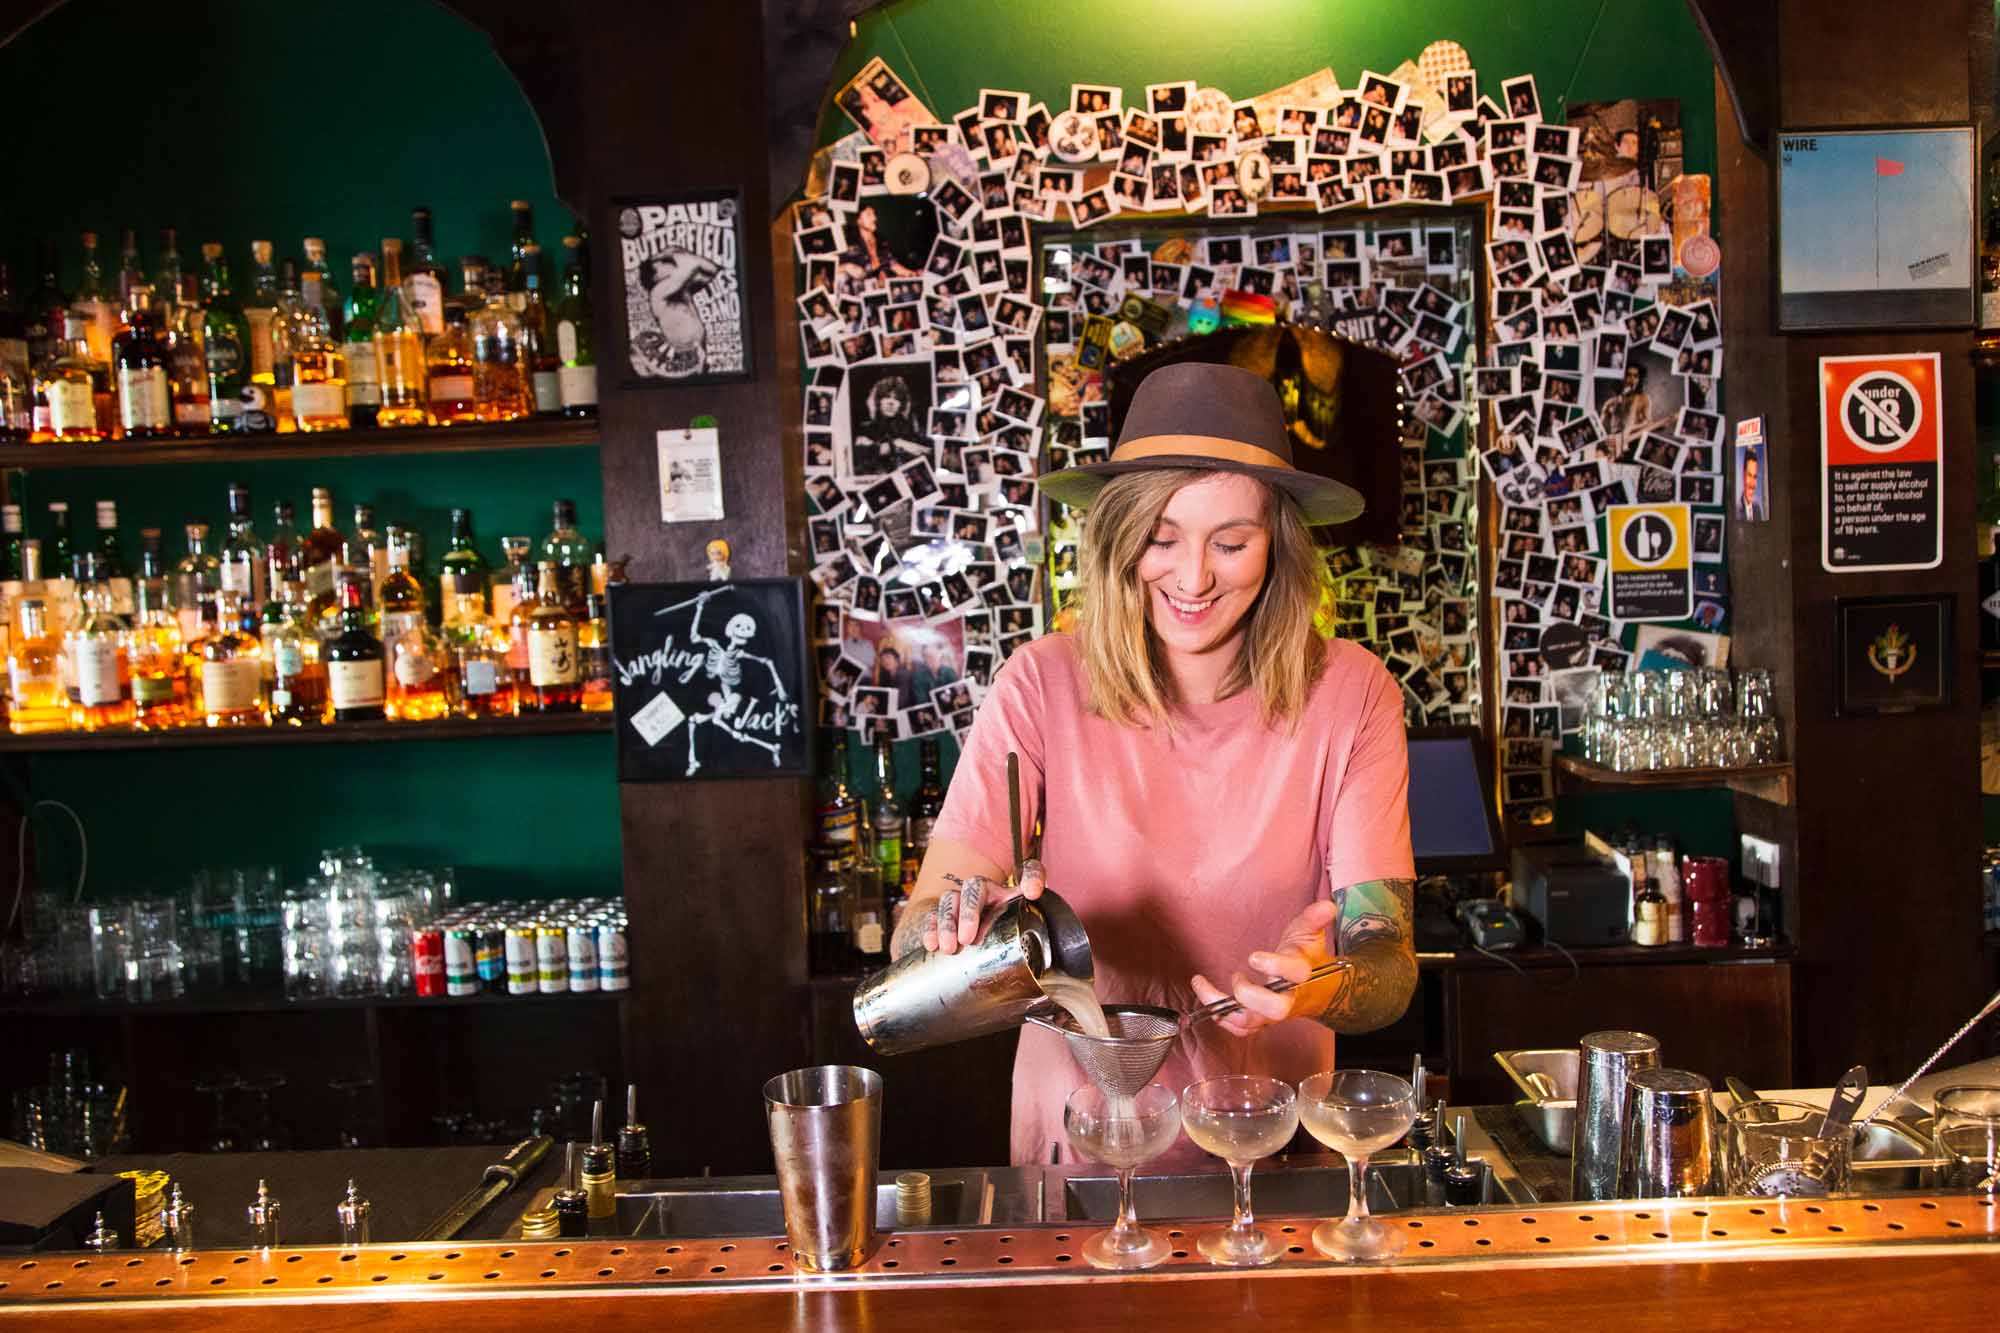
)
(1208, 418)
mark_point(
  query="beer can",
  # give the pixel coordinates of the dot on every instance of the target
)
(582, 956)
(461, 973)
(613, 962)
(489, 955)
(551, 959)
(427, 960)
(522, 967)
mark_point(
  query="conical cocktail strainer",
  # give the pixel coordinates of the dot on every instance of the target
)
(1142, 1036)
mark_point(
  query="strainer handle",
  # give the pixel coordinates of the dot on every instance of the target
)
(1229, 1004)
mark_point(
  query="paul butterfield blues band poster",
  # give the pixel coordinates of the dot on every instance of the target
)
(684, 287)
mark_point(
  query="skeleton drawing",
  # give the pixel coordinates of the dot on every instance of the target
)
(723, 664)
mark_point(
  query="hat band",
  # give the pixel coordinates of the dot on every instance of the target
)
(1213, 446)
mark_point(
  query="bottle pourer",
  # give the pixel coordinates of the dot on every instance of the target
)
(178, 1219)
(352, 1211)
(635, 1149)
(101, 1237)
(263, 1215)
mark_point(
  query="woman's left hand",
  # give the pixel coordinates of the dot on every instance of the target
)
(1301, 947)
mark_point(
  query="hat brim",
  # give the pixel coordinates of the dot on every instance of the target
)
(1322, 500)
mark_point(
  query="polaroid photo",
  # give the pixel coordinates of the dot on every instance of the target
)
(997, 104)
(1656, 257)
(1092, 207)
(1558, 173)
(1523, 101)
(1382, 91)
(1700, 490)
(1170, 99)
(1092, 99)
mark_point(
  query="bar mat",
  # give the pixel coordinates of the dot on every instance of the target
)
(1541, 1170)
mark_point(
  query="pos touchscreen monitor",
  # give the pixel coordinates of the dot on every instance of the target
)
(1454, 822)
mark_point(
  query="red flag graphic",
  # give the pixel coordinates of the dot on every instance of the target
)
(1888, 167)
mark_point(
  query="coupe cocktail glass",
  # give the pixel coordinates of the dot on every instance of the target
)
(1123, 1133)
(1240, 1118)
(1357, 1112)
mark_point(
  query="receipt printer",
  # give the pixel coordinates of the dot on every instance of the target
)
(1583, 900)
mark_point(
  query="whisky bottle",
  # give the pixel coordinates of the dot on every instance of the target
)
(479, 659)
(569, 550)
(502, 387)
(593, 646)
(260, 312)
(59, 550)
(574, 343)
(168, 276)
(427, 282)
(225, 343)
(364, 390)
(284, 336)
(100, 692)
(544, 365)
(98, 308)
(139, 363)
(319, 363)
(420, 680)
(401, 597)
(158, 650)
(242, 559)
(449, 368)
(553, 668)
(197, 579)
(76, 386)
(399, 347)
(232, 670)
(322, 546)
(296, 673)
(926, 805)
(131, 273)
(353, 658)
(525, 257)
(462, 570)
(187, 363)
(314, 249)
(508, 595)
(111, 558)
(10, 530)
(367, 550)
(35, 699)
(287, 545)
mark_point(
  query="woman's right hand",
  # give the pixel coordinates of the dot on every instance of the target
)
(965, 910)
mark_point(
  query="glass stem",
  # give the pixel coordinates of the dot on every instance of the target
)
(1357, 1188)
(1244, 1219)
(1128, 1220)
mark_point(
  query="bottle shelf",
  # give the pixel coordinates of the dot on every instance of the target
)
(1766, 782)
(74, 1007)
(338, 733)
(550, 433)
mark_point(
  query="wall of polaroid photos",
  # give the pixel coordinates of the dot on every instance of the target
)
(1595, 383)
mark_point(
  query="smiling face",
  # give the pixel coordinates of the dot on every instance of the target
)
(1205, 564)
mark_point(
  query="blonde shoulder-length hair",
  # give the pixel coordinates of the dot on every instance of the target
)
(1283, 650)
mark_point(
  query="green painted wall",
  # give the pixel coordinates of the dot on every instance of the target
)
(234, 120)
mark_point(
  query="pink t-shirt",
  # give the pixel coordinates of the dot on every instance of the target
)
(1183, 852)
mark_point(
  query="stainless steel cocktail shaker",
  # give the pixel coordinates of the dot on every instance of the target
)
(1606, 1060)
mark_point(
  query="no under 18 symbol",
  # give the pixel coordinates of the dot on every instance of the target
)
(1881, 411)
(1647, 538)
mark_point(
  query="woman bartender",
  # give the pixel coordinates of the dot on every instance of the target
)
(1223, 791)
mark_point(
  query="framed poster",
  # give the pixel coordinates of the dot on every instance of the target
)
(1892, 654)
(710, 679)
(1881, 452)
(685, 317)
(1876, 228)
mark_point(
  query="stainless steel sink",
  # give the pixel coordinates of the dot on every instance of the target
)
(1275, 1191)
(750, 1205)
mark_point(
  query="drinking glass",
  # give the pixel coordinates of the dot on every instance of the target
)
(1357, 1113)
(1967, 1129)
(1123, 1133)
(1240, 1118)
(1754, 693)
(152, 951)
(1775, 1149)
(304, 942)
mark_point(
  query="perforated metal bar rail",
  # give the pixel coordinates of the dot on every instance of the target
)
(1699, 1230)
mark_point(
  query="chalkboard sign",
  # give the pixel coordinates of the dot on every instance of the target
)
(711, 679)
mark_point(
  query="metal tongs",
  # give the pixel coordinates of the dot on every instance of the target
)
(1229, 1004)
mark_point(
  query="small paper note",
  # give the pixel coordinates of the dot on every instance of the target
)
(657, 719)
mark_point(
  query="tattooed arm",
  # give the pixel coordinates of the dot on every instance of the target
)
(1372, 922)
(965, 908)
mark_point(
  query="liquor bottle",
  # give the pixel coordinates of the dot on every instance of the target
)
(502, 376)
(364, 390)
(243, 555)
(60, 549)
(593, 646)
(167, 277)
(232, 668)
(158, 649)
(314, 249)
(399, 347)
(139, 362)
(294, 669)
(448, 366)
(321, 550)
(319, 364)
(545, 367)
(553, 675)
(421, 684)
(428, 281)
(197, 579)
(479, 658)
(462, 571)
(99, 308)
(100, 692)
(354, 661)
(187, 363)
(47, 305)
(570, 552)
(10, 528)
(513, 600)
(286, 545)
(885, 817)
(225, 343)
(131, 273)
(284, 334)
(35, 699)
(837, 815)
(76, 386)
(1666, 878)
(367, 550)
(524, 259)
(260, 312)
(401, 597)
(111, 558)
(17, 376)
(829, 891)
(926, 805)
(574, 343)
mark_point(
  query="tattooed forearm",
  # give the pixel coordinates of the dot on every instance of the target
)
(1374, 933)
(909, 934)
